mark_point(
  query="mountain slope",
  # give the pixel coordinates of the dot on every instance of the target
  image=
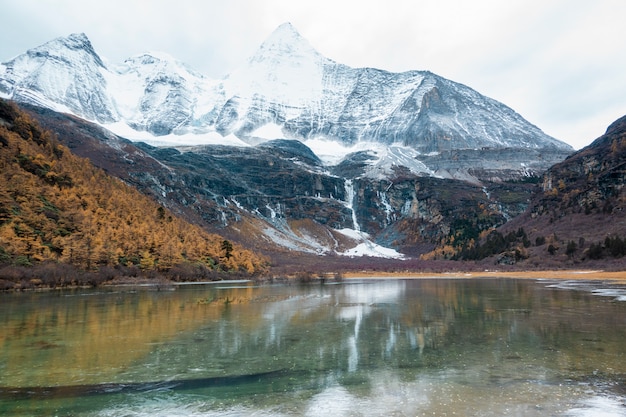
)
(278, 198)
(57, 207)
(577, 215)
(287, 90)
(587, 189)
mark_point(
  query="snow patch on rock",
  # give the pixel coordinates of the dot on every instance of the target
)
(189, 139)
(367, 247)
(269, 131)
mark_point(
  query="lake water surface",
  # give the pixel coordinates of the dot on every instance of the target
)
(359, 348)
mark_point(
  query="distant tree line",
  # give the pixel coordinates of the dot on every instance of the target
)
(612, 246)
(495, 243)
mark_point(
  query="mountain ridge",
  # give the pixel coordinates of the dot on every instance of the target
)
(277, 198)
(286, 84)
(295, 211)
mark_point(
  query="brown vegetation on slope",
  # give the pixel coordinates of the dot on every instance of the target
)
(57, 207)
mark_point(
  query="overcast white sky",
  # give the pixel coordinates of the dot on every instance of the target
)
(561, 64)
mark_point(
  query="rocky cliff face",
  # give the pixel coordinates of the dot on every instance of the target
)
(278, 196)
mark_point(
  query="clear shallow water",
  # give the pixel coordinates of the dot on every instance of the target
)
(390, 347)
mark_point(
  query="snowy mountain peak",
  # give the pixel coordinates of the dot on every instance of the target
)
(285, 71)
(151, 58)
(155, 62)
(65, 74)
(76, 41)
(285, 42)
(74, 45)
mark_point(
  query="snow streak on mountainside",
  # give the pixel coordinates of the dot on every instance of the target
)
(286, 90)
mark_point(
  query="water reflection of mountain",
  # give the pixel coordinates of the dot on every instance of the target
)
(341, 330)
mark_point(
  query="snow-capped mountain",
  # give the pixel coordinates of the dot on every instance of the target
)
(323, 158)
(287, 90)
(65, 75)
(157, 94)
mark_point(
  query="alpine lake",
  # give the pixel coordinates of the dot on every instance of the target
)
(374, 347)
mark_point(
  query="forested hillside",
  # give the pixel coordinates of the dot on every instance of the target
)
(57, 207)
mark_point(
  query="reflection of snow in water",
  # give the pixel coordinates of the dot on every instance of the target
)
(595, 287)
(433, 394)
(333, 401)
(353, 354)
(388, 397)
(599, 407)
(618, 293)
(347, 314)
(391, 341)
(370, 294)
(353, 312)
(388, 394)
(360, 298)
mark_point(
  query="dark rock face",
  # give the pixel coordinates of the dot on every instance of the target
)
(413, 212)
(273, 179)
(282, 184)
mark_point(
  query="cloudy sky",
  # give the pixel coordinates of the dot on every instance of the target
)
(561, 64)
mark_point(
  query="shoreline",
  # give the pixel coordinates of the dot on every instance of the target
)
(618, 277)
(614, 277)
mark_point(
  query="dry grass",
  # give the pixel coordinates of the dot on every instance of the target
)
(616, 276)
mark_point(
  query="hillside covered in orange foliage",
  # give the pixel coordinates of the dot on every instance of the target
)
(58, 208)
